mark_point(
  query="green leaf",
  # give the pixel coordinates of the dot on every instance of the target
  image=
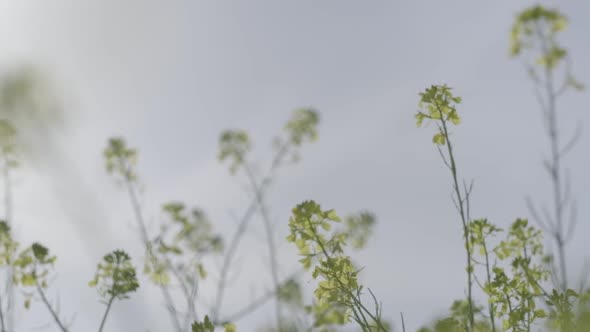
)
(115, 276)
(28, 280)
(39, 251)
(229, 327)
(439, 139)
(202, 271)
(205, 326)
(331, 215)
(302, 126)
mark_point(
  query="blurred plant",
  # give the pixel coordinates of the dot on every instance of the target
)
(120, 163)
(27, 107)
(458, 320)
(234, 146)
(115, 277)
(176, 251)
(207, 326)
(184, 238)
(31, 269)
(534, 36)
(358, 228)
(8, 248)
(8, 162)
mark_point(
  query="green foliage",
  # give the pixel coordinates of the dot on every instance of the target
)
(229, 327)
(438, 103)
(582, 313)
(562, 316)
(339, 275)
(157, 270)
(8, 246)
(234, 145)
(514, 293)
(8, 144)
(33, 265)
(31, 268)
(326, 315)
(190, 231)
(27, 100)
(183, 239)
(515, 266)
(460, 312)
(303, 126)
(207, 326)
(458, 320)
(120, 159)
(17, 88)
(539, 25)
(535, 29)
(338, 293)
(358, 228)
(535, 33)
(290, 292)
(480, 230)
(522, 241)
(115, 276)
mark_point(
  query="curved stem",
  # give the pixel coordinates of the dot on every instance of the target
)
(269, 240)
(50, 308)
(242, 226)
(8, 206)
(145, 238)
(2, 326)
(227, 259)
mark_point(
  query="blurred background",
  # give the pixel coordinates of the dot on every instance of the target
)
(171, 76)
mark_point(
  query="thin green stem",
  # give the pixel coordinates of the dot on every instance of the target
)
(50, 308)
(489, 279)
(243, 224)
(106, 313)
(8, 206)
(2, 326)
(524, 299)
(269, 240)
(460, 203)
(145, 238)
(554, 167)
(355, 298)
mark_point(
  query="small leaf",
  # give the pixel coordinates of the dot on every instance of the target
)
(229, 327)
(439, 139)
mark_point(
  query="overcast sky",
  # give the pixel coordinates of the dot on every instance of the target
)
(170, 76)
